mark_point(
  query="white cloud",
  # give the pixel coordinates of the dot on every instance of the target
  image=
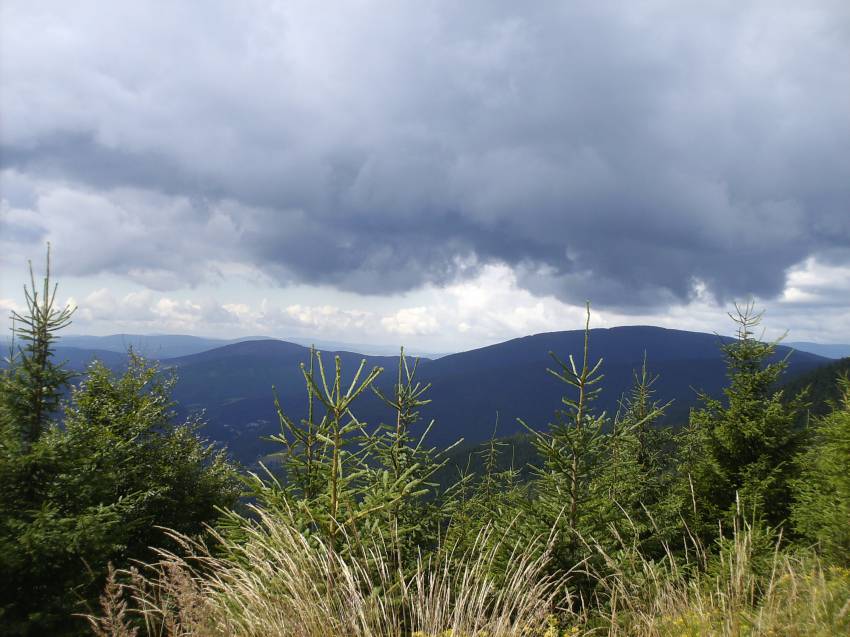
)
(815, 283)
(157, 241)
(411, 321)
(488, 308)
(326, 318)
(7, 306)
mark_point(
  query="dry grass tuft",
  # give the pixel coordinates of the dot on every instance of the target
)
(740, 590)
(278, 583)
(114, 621)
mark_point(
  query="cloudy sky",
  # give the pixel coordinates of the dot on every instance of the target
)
(440, 174)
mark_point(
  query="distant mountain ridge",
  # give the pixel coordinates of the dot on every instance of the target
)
(157, 346)
(829, 350)
(234, 384)
(161, 346)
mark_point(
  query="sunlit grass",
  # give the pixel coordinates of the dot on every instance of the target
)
(745, 587)
(277, 582)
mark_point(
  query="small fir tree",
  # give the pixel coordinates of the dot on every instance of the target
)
(351, 485)
(635, 476)
(324, 459)
(739, 450)
(402, 469)
(93, 488)
(573, 449)
(821, 510)
(33, 382)
(495, 499)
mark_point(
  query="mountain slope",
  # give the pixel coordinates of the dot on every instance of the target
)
(233, 384)
(511, 378)
(517, 450)
(148, 345)
(77, 359)
(829, 350)
(822, 384)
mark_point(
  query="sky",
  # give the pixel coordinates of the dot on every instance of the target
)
(438, 174)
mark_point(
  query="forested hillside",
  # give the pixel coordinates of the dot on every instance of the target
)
(233, 384)
(823, 385)
(822, 388)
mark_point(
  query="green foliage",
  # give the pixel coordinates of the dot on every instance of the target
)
(821, 512)
(494, 498)
(600, 479)
(822, 386)
(324, 465)
(348, 485)
(740, 450)
(32, 383)
(95, 487)
(634, 480)
(402, 469)
(120, 435)
(573, 449)
(513, 453)
(96, 490)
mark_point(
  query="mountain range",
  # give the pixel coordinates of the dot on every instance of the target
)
(234, 384)
(160, 346)
(829, 350)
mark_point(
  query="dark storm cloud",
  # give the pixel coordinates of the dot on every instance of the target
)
(622, 152)
(79, 157)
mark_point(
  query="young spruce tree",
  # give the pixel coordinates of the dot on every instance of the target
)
(636, 475)
(573, 450)
(821, 510)
(32, 382)
(738, 452)
(93, 488)
(324, 460)
(403, 467)
(349, 484)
